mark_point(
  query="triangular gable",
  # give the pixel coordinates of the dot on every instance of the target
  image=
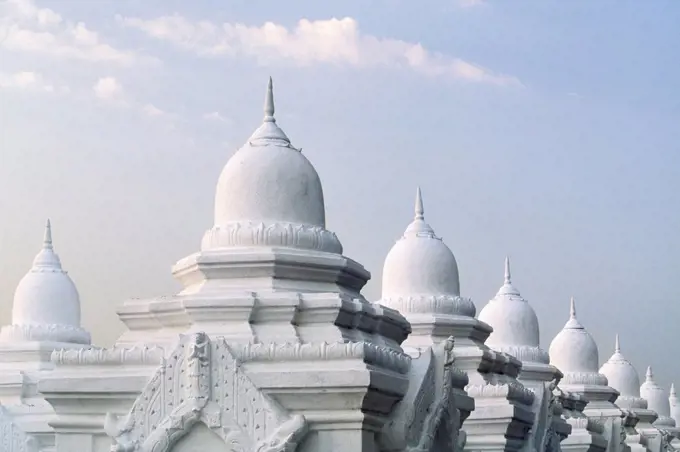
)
(202, 381)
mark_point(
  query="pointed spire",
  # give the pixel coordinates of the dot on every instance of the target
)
(572, 308)
(420, 211)
(617, 345)
(507, 270)
(47, 240)
(650, 374)
(269, 102)
(673, 393)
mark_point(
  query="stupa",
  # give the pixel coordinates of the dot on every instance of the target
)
(45, 317)
(420, 280)
(622, 376)
(278, 350)
(516, 332)
(575, 353)
(657, 401)
(674, 403)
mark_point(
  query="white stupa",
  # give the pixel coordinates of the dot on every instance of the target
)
(674, 403)
(420, 280)
(45, 317)
(46, 306)
(657, 400)
(575, 353)
(516, 332)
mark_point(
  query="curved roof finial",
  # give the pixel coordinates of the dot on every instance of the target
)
(420, 210)
(47, 240)
(572, 308)
(269, 102)
(507, 270)
(650, 374)
(617, 345)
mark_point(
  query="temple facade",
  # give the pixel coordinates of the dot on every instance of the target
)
(270, 346)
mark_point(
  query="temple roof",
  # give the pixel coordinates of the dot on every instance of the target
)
(620, 373)
(514, 322)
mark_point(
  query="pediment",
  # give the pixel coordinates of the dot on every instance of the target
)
(203, 383)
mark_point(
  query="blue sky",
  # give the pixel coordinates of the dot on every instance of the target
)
(543, 130)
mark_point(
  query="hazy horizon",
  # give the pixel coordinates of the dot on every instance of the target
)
(546, 131)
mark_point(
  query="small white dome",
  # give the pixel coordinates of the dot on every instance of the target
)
(621, 374)
(675, 405)
(513, 319)
(46, 295)
(657, 400)
(420, 263)
(268, 180)
(573, 350)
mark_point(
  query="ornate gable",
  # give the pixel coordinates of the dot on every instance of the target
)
(202, 381)
(13, 439)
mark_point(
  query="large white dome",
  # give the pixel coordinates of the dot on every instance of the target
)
(621, 374)
(657, 400)
(573, 350)
(268, 180)
(420, 263)
(46, 302)
(514, 322)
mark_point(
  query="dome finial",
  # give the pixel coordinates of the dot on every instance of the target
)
(617, 345)
(507, 270)
(269, 102)
(572, 308)
(420, 211)
(673, 393)
(47, 240)
(650, 374)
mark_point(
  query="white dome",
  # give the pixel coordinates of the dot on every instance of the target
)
(514, 322)
(675, 405)
(420, 263)
(621, 374)
(657, 400)
(46, 302)
(268, 180)
(573, 350)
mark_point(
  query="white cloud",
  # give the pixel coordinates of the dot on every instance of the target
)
(471, 3)
(333, 41)
(108, 89)
(152, 110)
(24, 27)
(27, 80)
(216, 116)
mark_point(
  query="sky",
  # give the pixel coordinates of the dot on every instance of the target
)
(546, 131)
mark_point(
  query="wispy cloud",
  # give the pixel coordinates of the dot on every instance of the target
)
(28, 80)
(217, 117)
(332, 41)
(471, 3)
(109, 89)
(27, 28)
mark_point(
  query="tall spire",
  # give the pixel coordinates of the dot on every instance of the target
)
(673, 394)
(420, 211)
(507, 270)
(617, 345)
(269, 102)
(572, 308)
(650, 374)
(47, 240)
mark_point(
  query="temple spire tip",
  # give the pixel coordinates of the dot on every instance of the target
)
(420, 211)
(269, 102)
(572, 308)
(507, 270)
(47, 240)
(617, 345)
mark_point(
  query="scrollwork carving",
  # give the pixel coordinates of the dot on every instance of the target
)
(202, 381)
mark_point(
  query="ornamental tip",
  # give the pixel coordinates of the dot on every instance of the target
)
(269, 102)
(507, 270)
(650, 374)
(617, 345)
(47, 240)
(572, 308)
(420, 211)
(673, 394)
